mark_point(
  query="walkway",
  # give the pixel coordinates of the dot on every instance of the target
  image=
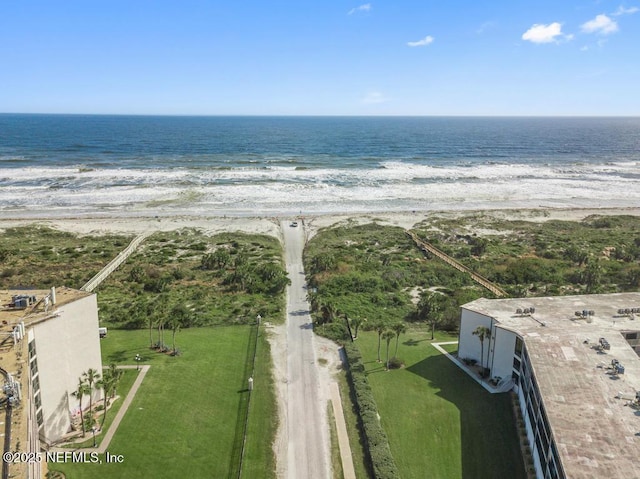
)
(94, 282)
(123, 408)
(106, 440)
(348, 471)
(482, 281)
(307, 430)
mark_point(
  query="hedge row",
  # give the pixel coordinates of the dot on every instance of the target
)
(376, 442)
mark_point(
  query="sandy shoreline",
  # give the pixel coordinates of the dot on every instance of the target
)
(271, 225)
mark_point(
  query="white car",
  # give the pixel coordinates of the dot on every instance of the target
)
(294, 224)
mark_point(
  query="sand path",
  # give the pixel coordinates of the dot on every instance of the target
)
(303, 435)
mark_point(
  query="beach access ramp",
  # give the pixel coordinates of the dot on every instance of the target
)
(94, 282)
(482, 281)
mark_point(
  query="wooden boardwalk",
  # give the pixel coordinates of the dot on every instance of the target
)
(94, 282)
(482, 281)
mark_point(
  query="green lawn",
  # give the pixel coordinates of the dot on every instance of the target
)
(183, 421)
(259, 460)
(440, 423)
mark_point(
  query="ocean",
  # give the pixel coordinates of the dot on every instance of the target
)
(75, 165)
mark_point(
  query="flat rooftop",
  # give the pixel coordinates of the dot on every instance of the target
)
(596, 429)
(9, 315)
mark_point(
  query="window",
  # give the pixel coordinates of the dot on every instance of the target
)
(518, 350)
(32, 349)
(516, 364)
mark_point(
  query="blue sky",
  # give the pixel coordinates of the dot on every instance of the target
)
(321, 57)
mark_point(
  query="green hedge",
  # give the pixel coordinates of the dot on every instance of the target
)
(376, 442)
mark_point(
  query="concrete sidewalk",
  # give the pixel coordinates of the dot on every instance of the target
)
(106, 440)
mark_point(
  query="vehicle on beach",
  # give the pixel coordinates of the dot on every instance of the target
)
(293, 224)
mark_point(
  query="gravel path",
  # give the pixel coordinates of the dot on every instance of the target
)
(304, 427)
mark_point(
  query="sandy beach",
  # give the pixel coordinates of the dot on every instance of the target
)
(270, 225)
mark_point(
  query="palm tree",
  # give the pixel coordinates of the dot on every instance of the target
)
(90, 377)
(108, 384)
(483, 333)
(430, 309)
(592, 275)
(356, 323)
(116, 374)
(104, 384)
(388, 335)
(328, 311)
(380, 328)
(150, 322)
(82, 390)
(160, 322)
(348, 324)
(175, 322)
(433, 320)
(398, 329)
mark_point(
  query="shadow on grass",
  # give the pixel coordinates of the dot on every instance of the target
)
(380, 368)
(488, 436)
(242, 418)
(128, 355)
(413, 342)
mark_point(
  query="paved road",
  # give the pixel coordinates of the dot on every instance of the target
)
(307, 427)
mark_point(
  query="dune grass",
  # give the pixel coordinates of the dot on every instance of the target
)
(440, 423)
(183, 421)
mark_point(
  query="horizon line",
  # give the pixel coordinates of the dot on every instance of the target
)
(310, 115)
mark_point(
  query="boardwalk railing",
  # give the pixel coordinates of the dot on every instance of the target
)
(94, 282)
(482, 281)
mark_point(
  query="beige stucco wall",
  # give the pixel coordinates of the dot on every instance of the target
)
(66, 346)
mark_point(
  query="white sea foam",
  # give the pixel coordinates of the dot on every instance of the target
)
(392, 185)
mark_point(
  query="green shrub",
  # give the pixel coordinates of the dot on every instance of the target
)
(376, 442)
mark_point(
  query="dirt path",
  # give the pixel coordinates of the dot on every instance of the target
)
(302, 446)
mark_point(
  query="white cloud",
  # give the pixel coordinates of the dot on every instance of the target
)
(539, 33)
(625, 11)
(428, 40)
(374, 97)
(601, 24)
(484, 27)
(362, 8)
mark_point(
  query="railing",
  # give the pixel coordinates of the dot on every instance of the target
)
(482, 281)
(94, 282)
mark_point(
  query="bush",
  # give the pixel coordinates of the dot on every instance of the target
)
(395, 363)
(376, 442)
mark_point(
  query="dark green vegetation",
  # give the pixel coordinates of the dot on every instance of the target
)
(183, 421)
(39, 257)
(354, 427)
(197, 280)
(370, 272)
(377, 446)
(597, 255)
(440, 423)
